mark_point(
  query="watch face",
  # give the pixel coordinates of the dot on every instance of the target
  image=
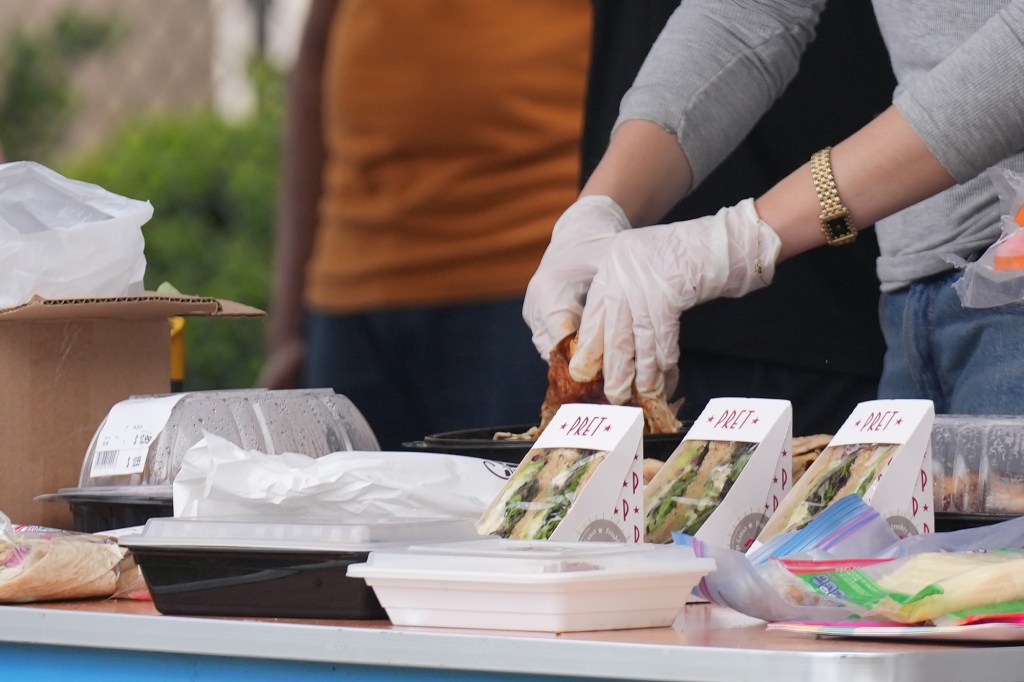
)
(839, 228)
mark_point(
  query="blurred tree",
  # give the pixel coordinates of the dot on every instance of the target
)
(37, 100)
(213, 186)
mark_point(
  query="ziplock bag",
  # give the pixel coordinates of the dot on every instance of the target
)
(848, 564)
(756, 585)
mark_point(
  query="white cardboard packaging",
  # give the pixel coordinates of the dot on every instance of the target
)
(545, 586)
(903, 494)
(609, 506)
(902, 487)
(757, 491)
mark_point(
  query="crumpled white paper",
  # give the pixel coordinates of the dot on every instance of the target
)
(218, 478)
(62, 238)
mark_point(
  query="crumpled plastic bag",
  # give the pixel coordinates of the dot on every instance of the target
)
(62, 238)
(753, 584)
(218, 478)
(825, 571)
(997, 278)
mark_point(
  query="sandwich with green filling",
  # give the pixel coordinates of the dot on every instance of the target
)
(839, 470)
(691, 485)
(538, 495)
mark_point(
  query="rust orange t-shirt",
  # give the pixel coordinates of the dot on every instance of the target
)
(452, 130)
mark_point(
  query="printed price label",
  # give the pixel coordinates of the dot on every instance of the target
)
(122, 443)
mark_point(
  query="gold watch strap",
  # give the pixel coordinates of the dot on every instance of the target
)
(836, 222)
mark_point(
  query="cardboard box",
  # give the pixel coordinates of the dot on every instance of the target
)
(63, 365)
(581, 481)
(727, 476)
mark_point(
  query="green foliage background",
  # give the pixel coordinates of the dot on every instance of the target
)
(213, 184)
(36, 98)
(213, 187)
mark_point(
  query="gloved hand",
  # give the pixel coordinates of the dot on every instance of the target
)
(630, 327)
(581, 238)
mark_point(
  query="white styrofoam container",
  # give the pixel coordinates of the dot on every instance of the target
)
(545, 586)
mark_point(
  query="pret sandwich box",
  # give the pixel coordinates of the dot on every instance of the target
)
(582, 480)
(545, 586)
(287, 568)
(63, 364)
(727, 476)
(883, 453)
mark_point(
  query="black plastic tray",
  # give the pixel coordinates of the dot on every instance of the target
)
(947, 521)
(94, 516)
(291, 584)
(480, 442)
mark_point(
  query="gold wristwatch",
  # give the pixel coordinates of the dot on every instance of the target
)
(836, 222)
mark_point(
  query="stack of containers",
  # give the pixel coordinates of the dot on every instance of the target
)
(115, 492)
(545, 586)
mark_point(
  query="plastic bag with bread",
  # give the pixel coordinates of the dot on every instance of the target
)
(56, 566)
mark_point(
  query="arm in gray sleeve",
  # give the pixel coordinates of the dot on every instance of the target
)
(716, 68)
(969, 110)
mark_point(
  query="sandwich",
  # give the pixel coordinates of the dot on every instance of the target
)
(539, 493)
(839, 470)
(691, 485)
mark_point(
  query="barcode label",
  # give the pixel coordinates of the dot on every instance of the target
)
(105, 459)
(121, 445)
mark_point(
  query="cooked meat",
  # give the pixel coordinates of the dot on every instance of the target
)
(659, 416)
(805, 451)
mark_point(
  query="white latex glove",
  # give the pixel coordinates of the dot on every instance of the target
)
(581, 238)
(630, 327)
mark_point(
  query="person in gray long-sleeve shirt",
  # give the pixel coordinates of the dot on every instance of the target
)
(917, 171)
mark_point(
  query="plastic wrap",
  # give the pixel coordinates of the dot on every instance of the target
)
(997, 276)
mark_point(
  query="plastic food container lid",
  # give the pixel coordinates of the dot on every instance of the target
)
(291, 535)
(494, 583)
(125, 494)
(143, 439)
(519, 561)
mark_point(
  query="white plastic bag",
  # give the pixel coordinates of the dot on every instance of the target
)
(218, 478)
(985, 284)
(62, 238)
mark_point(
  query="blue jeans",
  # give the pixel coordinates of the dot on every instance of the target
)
(966, 360)
(417, 371)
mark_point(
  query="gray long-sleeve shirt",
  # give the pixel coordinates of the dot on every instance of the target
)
(719, 65)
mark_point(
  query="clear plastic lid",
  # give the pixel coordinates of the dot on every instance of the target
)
(143, 439)
(978, 463)
(296, 534)
(497, 558)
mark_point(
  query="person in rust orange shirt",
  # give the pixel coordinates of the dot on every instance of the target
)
(430, 147)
